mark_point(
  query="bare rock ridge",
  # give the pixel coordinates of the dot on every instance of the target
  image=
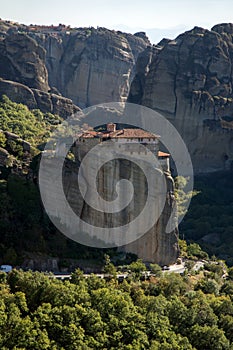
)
(24, 76)
(90, 65)
(34, 98)
(87, 65)
(22, 60)
(189, 81)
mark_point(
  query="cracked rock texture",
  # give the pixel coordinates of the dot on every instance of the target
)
(23, 60)
(158, 245)
(189, 81)
(92, 66)
(24, 76)
(35, 98)
(87, 65)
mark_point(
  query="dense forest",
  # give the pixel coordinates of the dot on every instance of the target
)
(209, 218)
(166, 312)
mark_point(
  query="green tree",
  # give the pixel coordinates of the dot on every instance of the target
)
(156, 270)
(208, 286)
(2, 139)
(194, 250)
(230, 273)
(109, 269)
(211, 338)
(137, 267)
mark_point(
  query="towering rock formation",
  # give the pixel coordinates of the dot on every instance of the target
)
(24, 76)
(158, 245)
(23, 60)
(190, 82)
(142, 69)
(90, 65)
(159, 242)
(87, 65)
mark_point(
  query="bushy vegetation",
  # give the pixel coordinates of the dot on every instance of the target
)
(170, 312)
(32, 126)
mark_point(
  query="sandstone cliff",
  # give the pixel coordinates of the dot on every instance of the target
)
(24, 76)
(23, 60)
(190, 82)
(90, 65)
(34, 99)
(87, 65)
(157, 245)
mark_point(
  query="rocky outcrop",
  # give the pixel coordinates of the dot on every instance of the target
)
(18, 93)
(23, 60)
(3, 157)
(142, 68)
(158, 245)
(34, 99)
(190, 81)
(90, 65)
(56, 104)
(24, 76)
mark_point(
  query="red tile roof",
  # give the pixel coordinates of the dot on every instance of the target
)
(124, 133)
(163, 154)
(133, 133)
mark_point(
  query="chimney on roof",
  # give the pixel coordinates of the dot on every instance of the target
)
(111, 127)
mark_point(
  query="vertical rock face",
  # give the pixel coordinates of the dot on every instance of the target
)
(24, 76)
(88, 65)
(190, 82)
(23, 60)
(159, 244)
(92, 66)
(142, 69)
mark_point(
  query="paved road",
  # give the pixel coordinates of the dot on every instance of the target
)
(100, 275)
(177, 268)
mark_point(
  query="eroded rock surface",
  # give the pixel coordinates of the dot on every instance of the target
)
(23, 60)
(92, 66)
(190, 82)
(34, 99)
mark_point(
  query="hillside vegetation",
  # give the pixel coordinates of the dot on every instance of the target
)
(209, 218)
(166, 313)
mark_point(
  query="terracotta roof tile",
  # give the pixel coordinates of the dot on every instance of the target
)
(163, 154)
(132, 133)
(124, 133)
